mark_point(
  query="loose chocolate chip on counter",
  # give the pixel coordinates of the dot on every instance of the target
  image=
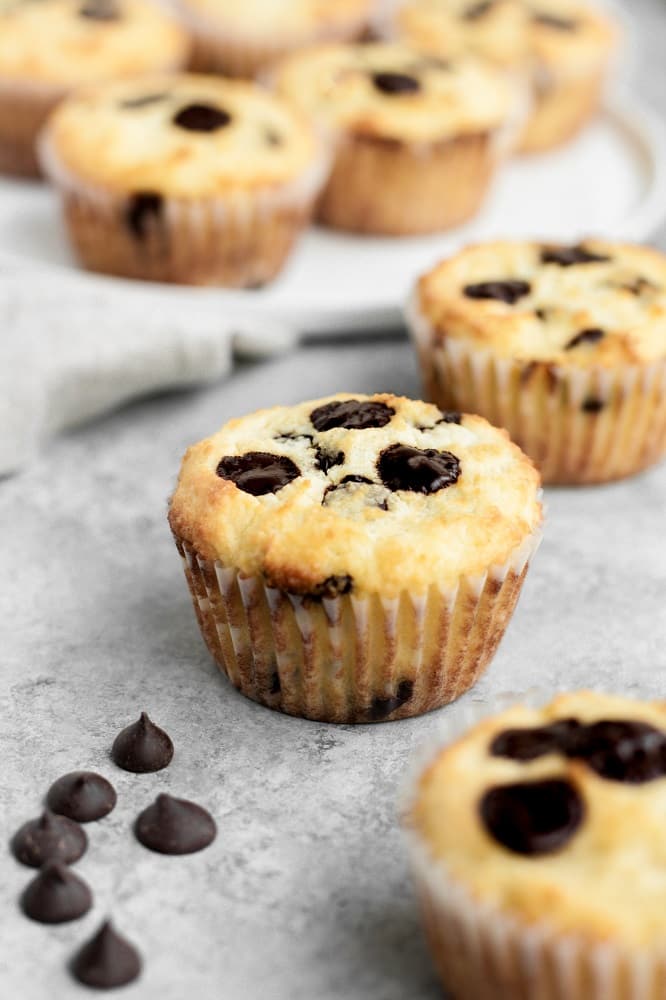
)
(530, 743)
(202, 118)
(552, 21)
(591, 336)
(631, 752)
(332, 586)
(510, 291)
(569, 256)
(395, 83)
(143, 212)
(145, 101)
(81, 795)
(175, 826)
(100, 10)
(530, 818)
(49, 838)
(478, 10)
(142, 747)
(106, 961)
(325, 460)
(402, 467)
(352, 414)
(56, 895)
(381, 708)
(593, 405)
(258, 472)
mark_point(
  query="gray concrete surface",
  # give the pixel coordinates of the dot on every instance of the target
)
(305, 894)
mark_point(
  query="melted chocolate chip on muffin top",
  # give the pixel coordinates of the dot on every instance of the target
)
(258, 472)
(478, 10)
(509, 290)
(352, 414)
(395, 84)
(537, 817)
(202, 118)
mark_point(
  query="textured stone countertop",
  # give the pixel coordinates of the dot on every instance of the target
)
(305, 893)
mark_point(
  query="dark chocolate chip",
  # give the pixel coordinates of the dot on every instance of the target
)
(134, 103)
(201, 118)
(537, 817)
(395, 83)
(100, 10)
(569, 256)
(591, 336)
(276, 684)
(175, 826)
(81, 795)
(258, 472)
(293, 437)
(631, 752)
(355, 479)
(106, 961)
(381, 708)
(332, 586)
(528, 744)
(56, 895)
(420, 471)
(49, 838)
(553, 21)
(478, 10)
(592, 405)
(352, 414)
(142, 747)
(450, 417)
(509, 291)
(325, 460)
(541, 314)
(143, 213)
(639, 286)
(272, 137)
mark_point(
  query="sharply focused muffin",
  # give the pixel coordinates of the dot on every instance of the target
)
(539, 852)
(186, 179)
(565, 346)
(355, 558)
(417, 139)
(571, 46)
(491, 29)
(244, 37)
(49, 47)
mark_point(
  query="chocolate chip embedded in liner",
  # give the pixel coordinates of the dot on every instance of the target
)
(143, 212)
(352, 414)
(593, 405)
(332, 586)
(530, 818)
(56, 895)
(134, 103)
(107, 960)
(591, 336)
(402, 467)
(569, 256)
(81, 795)
(552, 21)
(478, 10)
(509, 291)
(381, 708)
(202, 118)
(258, 472)
(276, 684)
(175, 826)
(143, 747)
(49, 838)
(395, 83)
(527, 743)
(618, 750)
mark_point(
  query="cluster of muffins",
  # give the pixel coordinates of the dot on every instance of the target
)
(202, 178)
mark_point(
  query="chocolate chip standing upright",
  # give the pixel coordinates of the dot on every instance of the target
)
(56, 895)
(143, 747)
(49, 838)
(82, 795)
(107, 960)
(175, 826)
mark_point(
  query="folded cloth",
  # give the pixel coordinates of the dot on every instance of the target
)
(69, 352)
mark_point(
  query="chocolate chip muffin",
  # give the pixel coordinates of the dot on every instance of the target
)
(49, 47)
(564, 346)
(417, 139)
(187, 179)
(244, 37)
(355, 558)
(538, 846)
(571, 46)
(491, 29)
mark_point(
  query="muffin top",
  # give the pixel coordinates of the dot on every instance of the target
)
(556, 814)
(288, 19)
(569, 37)
(362, 493)
(185, 136)
(493, 29)
(593, 303)
(391, 91)
(65, 43)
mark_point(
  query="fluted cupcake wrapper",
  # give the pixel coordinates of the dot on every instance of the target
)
(242, 240)
(484, 953)
(353, 658)
(579, 425)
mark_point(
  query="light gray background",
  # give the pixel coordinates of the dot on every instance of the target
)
(305, 894)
